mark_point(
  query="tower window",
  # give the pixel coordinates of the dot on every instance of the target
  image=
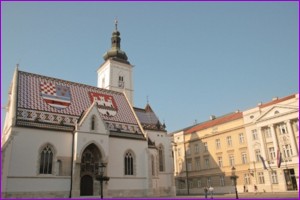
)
(121, 81)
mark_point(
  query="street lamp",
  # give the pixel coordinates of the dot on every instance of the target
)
(100, 176)
(234, 177)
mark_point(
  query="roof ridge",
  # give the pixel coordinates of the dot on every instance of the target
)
(278, 100)
(214, 122)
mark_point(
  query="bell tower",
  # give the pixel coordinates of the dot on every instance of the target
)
(116, 71)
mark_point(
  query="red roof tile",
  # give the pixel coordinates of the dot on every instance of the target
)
(277, 101)
(214, 122)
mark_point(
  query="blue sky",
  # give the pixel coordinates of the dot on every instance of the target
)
(193, 59)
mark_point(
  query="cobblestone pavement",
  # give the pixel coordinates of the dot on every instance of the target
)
(250, 195)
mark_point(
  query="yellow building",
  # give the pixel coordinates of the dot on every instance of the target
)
(205, 154)
(261, 143)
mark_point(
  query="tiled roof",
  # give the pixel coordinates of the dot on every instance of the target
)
(214, 122)
(148, 118)
(277, 101)
(54, 101)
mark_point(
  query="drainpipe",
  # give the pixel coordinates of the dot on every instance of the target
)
(186, 166)
(72, 163)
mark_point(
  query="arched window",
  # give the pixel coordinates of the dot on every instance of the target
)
(128, 162)
(161, 158)
(46, 160)
(93, 123)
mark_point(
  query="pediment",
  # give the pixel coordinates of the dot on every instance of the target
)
(85, 123)
(276, 111)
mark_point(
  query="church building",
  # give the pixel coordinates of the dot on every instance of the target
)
(57, 133)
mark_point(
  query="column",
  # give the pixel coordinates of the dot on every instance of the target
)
(261, 141)
(274, 137)
(292, 138)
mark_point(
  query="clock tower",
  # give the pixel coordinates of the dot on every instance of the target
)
(116, 71)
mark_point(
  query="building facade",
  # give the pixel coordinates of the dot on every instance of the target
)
(57, 133)
(273, 143)
(260, 143)
(206, 153)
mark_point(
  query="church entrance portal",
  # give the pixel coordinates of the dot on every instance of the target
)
(86, 186)
(90, 160)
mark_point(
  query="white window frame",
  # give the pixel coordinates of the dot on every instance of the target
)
(244, 158)
(241, 138)
(254, 134)
(229, 141)
(218, 144)
(272, 153)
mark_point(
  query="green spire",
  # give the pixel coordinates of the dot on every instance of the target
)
(115, 52)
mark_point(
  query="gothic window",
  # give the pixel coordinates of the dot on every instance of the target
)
(90, 160)
(161, 158)
(128, 162)
(46, 160)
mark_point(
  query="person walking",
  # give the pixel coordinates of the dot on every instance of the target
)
(255, 189)
(211, 191)
(205, 192)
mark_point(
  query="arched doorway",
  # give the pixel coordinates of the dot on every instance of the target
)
(86, 186)
(90, 160)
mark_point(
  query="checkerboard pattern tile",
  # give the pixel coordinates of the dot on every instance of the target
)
(32, 86)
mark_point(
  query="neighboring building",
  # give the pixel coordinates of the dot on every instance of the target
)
(57, 132)
(273, 128)
(205, 153)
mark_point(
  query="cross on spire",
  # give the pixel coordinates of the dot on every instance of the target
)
(116, 24)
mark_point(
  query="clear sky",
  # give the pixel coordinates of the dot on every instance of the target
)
(193, 59)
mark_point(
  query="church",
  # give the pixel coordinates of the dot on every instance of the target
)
(58, 133)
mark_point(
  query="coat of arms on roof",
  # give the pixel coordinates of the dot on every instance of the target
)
(55, 95)
(106, 103)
